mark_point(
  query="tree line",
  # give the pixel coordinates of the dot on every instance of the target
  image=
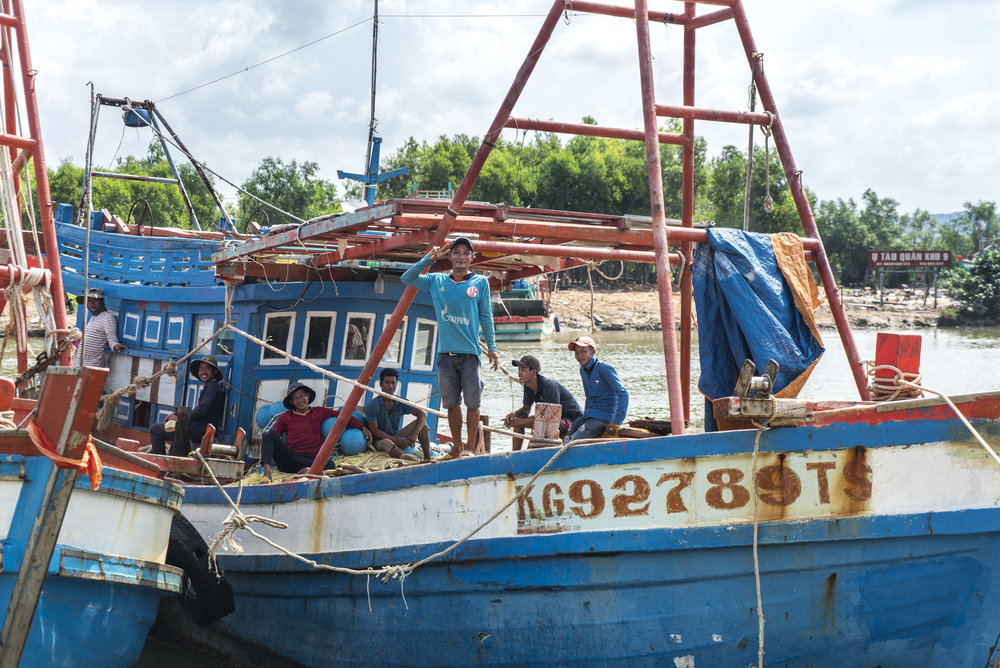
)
(541, 170)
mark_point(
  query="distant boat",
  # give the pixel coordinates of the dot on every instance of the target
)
(523, 313)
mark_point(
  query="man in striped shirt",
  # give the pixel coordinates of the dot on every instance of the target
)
(101, 331)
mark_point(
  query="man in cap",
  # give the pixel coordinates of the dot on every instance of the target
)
(607, 398)
(462, 302)
(296, 436)
(101, 331)
(542, 390)
(384, 415)
(210, 408)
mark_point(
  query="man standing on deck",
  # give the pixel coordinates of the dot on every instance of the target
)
(539, 389)
(462, 302)
(607, 398)
(102, 331)
(384, 415)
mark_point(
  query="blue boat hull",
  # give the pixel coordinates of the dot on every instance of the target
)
(83, 623)
(836, 593)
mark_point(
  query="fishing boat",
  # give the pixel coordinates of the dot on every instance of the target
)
(793, 532)
(87, 532)
(523, 313)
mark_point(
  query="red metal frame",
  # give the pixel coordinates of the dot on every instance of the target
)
(13, 24)
(410, 225)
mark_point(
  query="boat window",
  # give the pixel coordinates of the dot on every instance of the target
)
(205, 329)
(357, 338)
(424, 344)
(224, 342)
(320, 327)
(394, 353)
(278, 332)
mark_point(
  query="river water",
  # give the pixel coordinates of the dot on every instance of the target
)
(954, 361)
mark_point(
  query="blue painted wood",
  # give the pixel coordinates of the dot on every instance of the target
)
(904, 589)
(159, 310)
(95, 609)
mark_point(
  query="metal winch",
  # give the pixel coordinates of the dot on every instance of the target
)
(756, 401)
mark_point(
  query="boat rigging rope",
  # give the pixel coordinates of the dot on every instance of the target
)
(237, 520)
(169, 140)
(593, 265)
(761, 426)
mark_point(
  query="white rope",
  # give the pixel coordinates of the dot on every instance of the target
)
(237, 521)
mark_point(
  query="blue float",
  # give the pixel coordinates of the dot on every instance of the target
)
(265, 414)
(353, 442)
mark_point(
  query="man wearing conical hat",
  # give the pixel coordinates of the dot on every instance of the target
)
(209, 410)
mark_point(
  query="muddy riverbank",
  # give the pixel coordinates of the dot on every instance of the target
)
(634, 309)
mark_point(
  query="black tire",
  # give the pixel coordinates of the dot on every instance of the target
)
(555, 322)
(205, 596)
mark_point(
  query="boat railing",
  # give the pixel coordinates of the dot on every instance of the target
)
(120, 258)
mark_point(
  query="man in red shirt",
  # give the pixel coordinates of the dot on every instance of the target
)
(295, 438)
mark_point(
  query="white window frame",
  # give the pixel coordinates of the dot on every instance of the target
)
(132, 319)
(146, 338)
(416, 332)
(329, 344)
(396, 364)
(173, 320)
(279, 361)
(354, 315)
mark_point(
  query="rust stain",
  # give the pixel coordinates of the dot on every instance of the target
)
(779, 487)
(830, 599)
(317, 527)
(852, 483)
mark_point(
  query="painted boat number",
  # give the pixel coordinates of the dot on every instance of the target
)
(728, 489)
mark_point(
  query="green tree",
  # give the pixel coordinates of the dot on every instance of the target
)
(291, 187)
(122, 197)
(978, 291)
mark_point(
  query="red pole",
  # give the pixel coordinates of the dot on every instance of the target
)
(451, 213)
(794, 177)
(687, 211)
(589, 130)
(660, 241)
(41, 175)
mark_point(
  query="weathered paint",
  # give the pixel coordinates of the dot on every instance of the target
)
(640, 551)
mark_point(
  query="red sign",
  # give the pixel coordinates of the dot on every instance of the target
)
(909, 258)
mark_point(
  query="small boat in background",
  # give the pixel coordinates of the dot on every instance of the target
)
(523, 312)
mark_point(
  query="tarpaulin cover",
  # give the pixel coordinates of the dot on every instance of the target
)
(755, 301)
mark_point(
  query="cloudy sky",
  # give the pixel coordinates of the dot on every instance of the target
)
(895, 95)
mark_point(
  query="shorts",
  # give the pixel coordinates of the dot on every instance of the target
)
(458, 375)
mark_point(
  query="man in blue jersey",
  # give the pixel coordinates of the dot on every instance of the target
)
(462, 303)
(607, 398)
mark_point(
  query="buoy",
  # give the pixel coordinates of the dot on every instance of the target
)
(324, 429)
(267, 413)
(352, 442)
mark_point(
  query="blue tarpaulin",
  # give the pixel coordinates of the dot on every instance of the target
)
(746, 310)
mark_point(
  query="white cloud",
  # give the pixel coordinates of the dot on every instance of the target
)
(880, 94)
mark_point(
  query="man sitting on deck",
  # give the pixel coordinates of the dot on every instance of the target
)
(539, 389)
(384, 415)
(296, 437)
(607, 398)
(210, 410)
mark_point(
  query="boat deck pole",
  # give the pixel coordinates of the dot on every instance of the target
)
(660, 241)
(794, 176)
(451, 213)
